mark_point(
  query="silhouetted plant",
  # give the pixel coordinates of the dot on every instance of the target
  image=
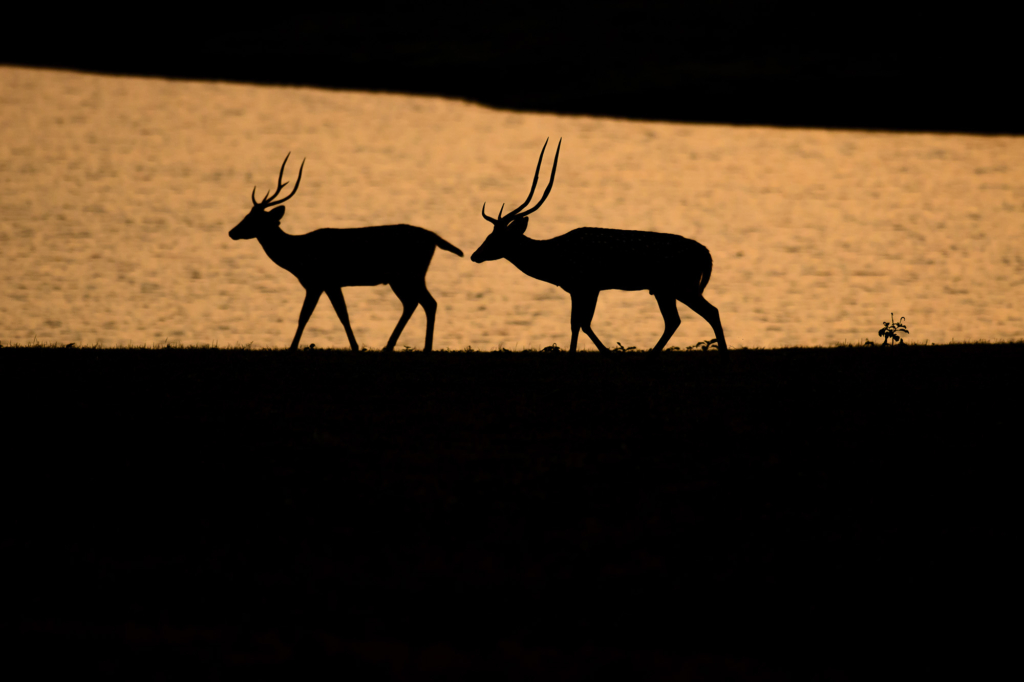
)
(892, 330)
(622, 349)
(704, 345)
(553, 348)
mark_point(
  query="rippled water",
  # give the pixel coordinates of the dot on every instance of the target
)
(118, 193)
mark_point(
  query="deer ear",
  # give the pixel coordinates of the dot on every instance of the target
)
(277, 212)
(519, 225)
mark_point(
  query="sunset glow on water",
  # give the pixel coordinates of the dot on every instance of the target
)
(118, 194)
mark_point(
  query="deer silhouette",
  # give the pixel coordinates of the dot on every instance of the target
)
(328, 259)
(588, 260)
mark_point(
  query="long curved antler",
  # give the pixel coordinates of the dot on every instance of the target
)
(536, 176)
(551, 182)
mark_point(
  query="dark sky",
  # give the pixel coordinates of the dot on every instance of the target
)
(863, 65)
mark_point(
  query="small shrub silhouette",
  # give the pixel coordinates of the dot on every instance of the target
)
(553, 348)
(892, 330)
(622, 349)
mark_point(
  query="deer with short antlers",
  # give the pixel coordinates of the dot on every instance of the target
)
(327, 260)
(588, 260)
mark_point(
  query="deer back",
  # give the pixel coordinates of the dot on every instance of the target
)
(364, 256)
(600, 258)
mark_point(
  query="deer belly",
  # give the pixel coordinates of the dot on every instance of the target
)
(608, 278)
(363, 282)
(628, 285)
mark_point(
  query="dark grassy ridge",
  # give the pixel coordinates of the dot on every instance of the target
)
(846, 65)
(798, 514)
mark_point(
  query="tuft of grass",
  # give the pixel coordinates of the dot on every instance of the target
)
(704, 345)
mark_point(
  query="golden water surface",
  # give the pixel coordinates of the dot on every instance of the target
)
(116, 196)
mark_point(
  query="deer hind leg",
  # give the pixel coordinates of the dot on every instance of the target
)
(409, 295)
(430, 308)
(338, 301)
(583, 306)
(699, 305)
(667, 305)
(312, 296)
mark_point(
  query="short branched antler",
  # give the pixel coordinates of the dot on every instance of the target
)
(268, 200)
(516, 212)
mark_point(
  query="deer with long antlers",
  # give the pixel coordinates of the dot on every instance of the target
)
(588, 260)
(328, 259)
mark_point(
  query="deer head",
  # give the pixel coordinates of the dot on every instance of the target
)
(258, 220)
(513, 225)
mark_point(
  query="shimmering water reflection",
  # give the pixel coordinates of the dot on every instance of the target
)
(118, 193)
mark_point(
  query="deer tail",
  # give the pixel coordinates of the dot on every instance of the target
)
(705, 272)
(446, 246)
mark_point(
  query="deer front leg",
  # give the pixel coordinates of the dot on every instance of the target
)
(583, 306)
(667, 305)
(312, 296)
(338, 301)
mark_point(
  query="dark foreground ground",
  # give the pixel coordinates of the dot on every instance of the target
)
(834, 513)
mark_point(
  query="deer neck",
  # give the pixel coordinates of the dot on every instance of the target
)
(534, 257)
(280, 247)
